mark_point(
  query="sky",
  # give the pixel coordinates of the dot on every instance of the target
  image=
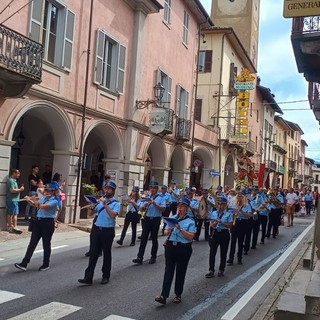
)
(278, 71)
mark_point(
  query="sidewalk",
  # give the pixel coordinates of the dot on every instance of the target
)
(83, 225)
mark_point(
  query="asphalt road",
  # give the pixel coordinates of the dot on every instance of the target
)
(132, 288)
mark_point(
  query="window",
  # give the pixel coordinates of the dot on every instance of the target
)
(257, 115)
(198, 110)
(182, 102)
(185, 27)
(167, 11)
(110, 63)
(205, 61)
(52, 24)
(166, 82)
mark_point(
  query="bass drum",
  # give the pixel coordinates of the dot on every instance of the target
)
(203, 212)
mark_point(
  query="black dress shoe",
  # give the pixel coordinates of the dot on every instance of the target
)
(152, 260)
(220, 273)
(104, 281)
(132, 244)
(137, 261)
(253, 247)
(87, 254)
(246, 253)
(119, 242)
(240, 262)
(229, 262)
(85, 281)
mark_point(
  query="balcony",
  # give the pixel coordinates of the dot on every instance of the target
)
(183, 128)
(251, 148)
(280, 147)
(20, 63)
(314, 98)
(305, 38)
(271, 165)
(298, 178)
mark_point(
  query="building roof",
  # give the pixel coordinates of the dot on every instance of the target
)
(309, 159)
(294, 126)
(269, 97)
(282, 122)
(200, 12)
(236, 43)
(304, 142)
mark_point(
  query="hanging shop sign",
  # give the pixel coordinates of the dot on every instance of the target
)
(301, 8)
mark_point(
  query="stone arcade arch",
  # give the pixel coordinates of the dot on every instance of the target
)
(157, 154)
(103, 152)
(200, 176)
(178, 166)
(49, 139)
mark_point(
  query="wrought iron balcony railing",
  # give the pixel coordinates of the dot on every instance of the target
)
(20, 54)
(183, 129)
(169, 121)
(301, 25)
(272, 165)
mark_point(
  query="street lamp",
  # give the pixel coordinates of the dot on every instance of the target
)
(158, 91)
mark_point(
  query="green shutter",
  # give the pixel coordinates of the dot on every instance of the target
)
(36, 20)
(68, 39)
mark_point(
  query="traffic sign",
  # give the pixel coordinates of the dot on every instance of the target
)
(214, 173)
(197, 163)
(244, 85)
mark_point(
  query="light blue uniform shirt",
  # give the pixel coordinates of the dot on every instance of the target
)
(104, 220)
(209, 207)
(246, 209)
(166, 196)
(132, 208)
(152, 211)
(308, 197)
(271, 206)
(187, 224)
(195, 204)
(172, 197)
(226, 218)
(257, 201)
(53, 202)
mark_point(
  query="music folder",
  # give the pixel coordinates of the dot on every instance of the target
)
(90, 199)
(171, 222)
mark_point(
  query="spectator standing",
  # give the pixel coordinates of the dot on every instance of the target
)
(94, 179)
(33, 180)
(12, 201)
(47, 174)
(308, 201)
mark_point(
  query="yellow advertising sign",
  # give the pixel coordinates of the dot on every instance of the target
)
(243, 95)
(301, 8)
(243, 104)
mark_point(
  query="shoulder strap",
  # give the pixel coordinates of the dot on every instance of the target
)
(108, 203)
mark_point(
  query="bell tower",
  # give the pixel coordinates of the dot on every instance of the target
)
(243, 17)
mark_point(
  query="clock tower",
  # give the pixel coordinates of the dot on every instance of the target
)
(243, 17)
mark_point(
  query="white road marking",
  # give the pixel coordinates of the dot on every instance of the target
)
(216, 295)
(114, 317)
(6, 296)
(54, 248)
(50, 311)
(245, 299)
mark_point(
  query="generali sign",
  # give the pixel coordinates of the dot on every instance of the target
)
(301, 8)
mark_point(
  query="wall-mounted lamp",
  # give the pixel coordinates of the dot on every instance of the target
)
(20, 138)
(203, 38)
(158, 91)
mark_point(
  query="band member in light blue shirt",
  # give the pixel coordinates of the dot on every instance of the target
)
(153, 211)
(194, 203)
(178, 251)
(174, 192)
(103, 233)
(221, 222)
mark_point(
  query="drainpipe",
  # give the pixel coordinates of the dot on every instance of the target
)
(84, 113)
(219, 102)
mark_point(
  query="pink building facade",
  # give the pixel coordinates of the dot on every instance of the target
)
(99, 58)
